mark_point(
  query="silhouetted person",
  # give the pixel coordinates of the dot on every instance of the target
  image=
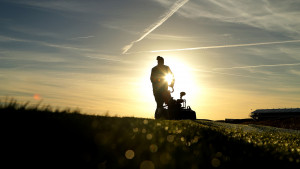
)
(160, 84)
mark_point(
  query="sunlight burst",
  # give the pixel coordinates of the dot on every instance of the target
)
(185, 79)
(169, 78)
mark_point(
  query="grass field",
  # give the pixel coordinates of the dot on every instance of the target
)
(42, 138)
(287, 123)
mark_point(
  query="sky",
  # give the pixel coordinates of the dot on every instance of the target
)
(230, 57)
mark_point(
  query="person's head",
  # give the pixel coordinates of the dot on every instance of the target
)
(160, 60)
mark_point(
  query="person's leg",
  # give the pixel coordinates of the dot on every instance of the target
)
(159, 104)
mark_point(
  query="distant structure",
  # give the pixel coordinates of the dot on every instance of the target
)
(266, 114)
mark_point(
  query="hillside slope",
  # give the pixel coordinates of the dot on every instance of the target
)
(287, 123)
(44, 139)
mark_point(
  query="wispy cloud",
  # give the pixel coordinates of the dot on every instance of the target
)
(276, 16)
(73, 6)
(295, 72)
(43, 43)
(86, 52)
(172, 37)
(33, 56)
(164, 17)
(226, 46)
(83, 37)
(104, 58)
(228, 74)
(258, 66)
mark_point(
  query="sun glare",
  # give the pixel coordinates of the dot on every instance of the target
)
(169, 78)
(185, 79)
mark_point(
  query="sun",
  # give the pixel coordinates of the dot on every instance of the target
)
(169, 78)
(185, 79)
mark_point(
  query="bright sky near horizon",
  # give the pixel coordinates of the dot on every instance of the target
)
(230, 57)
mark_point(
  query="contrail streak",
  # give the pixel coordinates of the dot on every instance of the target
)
(164, 17)
(229, 74)
(103, 58)
(246, 67)
(226, 46)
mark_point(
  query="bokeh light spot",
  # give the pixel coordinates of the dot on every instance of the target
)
(215, 162)
(145, 121)
(165, 158)
(153, 148)
(147, 165)
(149, 136)
(135, 130)
(37, 97)
(219, 154)
(170, 138)
(129, 154)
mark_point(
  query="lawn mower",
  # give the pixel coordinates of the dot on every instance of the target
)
(175, 110)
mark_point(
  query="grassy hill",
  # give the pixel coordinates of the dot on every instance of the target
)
(287, 123)
(41, 138)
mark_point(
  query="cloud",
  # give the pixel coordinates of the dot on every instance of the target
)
(7, 38)
(172, 37)
(227, 46)
(104, 58)
(83, 37)
(45, 57)
(43, 43)
(275, 16)
(72, 6)
(228, 74)
(164, 17)
(295, 72)
(32, 56)
(258, 66)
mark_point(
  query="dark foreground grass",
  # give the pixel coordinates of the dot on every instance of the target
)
(33, 138)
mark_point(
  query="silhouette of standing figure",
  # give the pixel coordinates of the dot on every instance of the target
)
(160, 84)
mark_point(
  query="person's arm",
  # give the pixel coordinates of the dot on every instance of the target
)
(153, 76)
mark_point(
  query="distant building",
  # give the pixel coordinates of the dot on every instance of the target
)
(265, 114)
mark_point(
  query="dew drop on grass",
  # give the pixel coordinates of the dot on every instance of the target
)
(215, 162)
(129, 154)
(188, 144)
(145, 122)
(147, 165)
(149, 136)
(219, 154)
(195, 140)
(178, 131)
(170, 138)
(165, 158)
(153, 148)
